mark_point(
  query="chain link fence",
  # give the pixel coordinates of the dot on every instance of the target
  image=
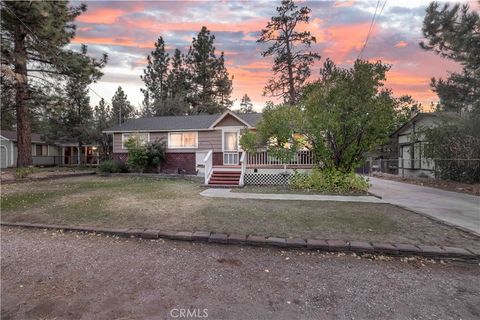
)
(463, 170)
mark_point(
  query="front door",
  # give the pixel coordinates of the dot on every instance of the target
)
(230, 147)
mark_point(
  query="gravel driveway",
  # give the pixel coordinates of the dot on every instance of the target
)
(49, 275)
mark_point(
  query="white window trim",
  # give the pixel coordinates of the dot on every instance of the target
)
(183, 132)
(231, 129)
(130, 133)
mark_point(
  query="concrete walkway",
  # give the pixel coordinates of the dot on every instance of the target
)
(455, 208)
(226, 193)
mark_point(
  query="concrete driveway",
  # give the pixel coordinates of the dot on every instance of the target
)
(455, 208)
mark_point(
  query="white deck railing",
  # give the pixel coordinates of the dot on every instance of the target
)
(208, 165)
(243, 164)
(264, 159)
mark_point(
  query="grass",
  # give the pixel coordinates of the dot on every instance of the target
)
(176, 205)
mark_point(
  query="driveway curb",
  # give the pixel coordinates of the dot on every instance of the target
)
(393, 249)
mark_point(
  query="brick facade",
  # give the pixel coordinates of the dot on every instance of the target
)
(176, 162)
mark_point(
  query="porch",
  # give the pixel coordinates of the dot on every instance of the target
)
(260, 168)
(85, 155)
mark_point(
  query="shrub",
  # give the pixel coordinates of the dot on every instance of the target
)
(144, 156)
(155, 153)
(112, 166)
(137, 154)
(329, 180)
(21, 173)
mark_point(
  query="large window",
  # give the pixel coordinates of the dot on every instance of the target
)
(178, 140)
(143, 137)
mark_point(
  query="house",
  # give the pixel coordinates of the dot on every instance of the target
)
(412, 141)
(206, 145)
(45, 152)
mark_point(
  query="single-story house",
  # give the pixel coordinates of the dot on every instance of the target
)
(45, 152)
(207, 145)
(412, 141)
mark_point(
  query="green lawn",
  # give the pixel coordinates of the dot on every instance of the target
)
(176, 205)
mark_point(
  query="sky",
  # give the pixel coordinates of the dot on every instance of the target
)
(127, 31)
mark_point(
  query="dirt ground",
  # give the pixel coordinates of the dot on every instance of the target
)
(429, 182)
(176, 205)
(49, 275)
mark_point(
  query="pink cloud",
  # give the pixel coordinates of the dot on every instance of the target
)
(401, 44)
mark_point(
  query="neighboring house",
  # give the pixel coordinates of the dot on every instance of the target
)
(207, 145)
(46, 153)
(412, 141)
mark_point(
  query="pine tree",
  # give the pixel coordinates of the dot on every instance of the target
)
(7, 104)
(34, 39)
(102, 114)
(178, 86)
(246, 105)
(453, 33)
(223, 85)
(291, 63)
(122, 109)
(203, 68)
(155, 79)
(103, 121)
(147, 108)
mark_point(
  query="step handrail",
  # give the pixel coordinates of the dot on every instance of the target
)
(208, 165)
(243, 165)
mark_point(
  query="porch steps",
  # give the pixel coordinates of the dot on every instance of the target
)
(224, 179)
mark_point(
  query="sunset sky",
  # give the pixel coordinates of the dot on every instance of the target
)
(127, 30)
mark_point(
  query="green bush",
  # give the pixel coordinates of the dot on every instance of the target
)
(112, 166)
(144, 156)
(21, 173)
(329, 180)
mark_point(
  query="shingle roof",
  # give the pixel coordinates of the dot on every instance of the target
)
(167, 123)
(12, 135)
(421, 115)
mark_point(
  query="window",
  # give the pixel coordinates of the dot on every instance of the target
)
(40, 150)
(230, 141)
(178, 140)
(143, 137)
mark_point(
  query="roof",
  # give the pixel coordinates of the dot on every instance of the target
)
(422, 115)
(191, 122)
(12, 135)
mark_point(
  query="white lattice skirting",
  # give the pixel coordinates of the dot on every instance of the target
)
(266, 179)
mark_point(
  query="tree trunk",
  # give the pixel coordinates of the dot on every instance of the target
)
(24, 127)
(291, 84)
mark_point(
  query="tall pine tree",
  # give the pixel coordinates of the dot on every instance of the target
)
(34, 39)
(223, 84)
(178, 86)
(155, 79)
(102, 121)
(122, 109)
(453, 32)
(246, 105)
(74, 121)
(205, 69)
(291, 62)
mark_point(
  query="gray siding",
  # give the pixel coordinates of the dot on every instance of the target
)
(206, 141)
